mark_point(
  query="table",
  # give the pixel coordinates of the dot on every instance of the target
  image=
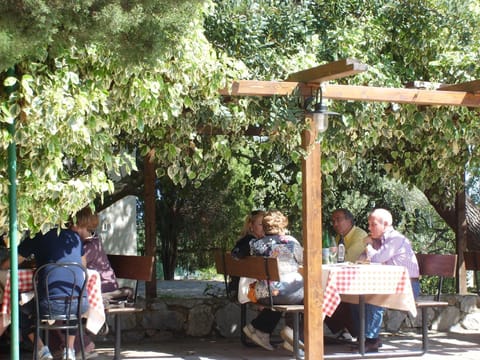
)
(382, 285)
(96, 312)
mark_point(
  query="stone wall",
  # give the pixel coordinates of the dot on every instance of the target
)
(463, 312)
(209, 312)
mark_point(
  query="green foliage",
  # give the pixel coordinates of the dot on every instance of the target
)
(371, 140)
(273, 38)
(140, 31)
(82, 116)
(423, 40)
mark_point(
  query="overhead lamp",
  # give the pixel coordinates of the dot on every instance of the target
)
(320, 111)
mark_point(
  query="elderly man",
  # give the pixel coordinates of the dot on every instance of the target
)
(387, 246)
(340, 323)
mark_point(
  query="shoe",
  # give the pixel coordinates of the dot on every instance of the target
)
(371, 345)
(287, 346)
(345, 336)
(258, 337)
(45, 354)
(287, 335)
(88, 355)
(68, 354)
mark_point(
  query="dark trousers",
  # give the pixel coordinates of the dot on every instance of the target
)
(342, 319)
(267, 320)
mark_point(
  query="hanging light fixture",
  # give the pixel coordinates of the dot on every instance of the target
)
(320, 111)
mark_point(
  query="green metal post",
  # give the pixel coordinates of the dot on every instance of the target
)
(13, 231)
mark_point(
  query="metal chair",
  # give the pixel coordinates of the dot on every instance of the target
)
(65, 283)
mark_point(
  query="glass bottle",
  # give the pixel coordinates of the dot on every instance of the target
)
(341, 250)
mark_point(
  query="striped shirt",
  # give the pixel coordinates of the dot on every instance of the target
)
(394, 249)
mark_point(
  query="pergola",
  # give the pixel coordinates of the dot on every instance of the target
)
(305, 83)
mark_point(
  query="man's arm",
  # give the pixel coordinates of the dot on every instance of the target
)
(5, 265)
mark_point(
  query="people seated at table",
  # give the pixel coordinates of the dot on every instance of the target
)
(57, 245)
(267, 320)
(289, 290)
(341, 323)
(387, 246)
(97, 259)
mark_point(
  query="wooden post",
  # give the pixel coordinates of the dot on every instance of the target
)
(150, 223)
(312, 244)
(461, 236)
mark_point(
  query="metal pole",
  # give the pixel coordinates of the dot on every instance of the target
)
(13, 231)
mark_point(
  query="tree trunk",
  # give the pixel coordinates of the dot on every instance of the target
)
(472, 213)
(461, 243)
(150, 225)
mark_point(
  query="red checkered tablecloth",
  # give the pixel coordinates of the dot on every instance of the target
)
(96, 311)
(383, 285)
(25, 277)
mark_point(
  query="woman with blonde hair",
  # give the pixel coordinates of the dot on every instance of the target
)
(252, 229)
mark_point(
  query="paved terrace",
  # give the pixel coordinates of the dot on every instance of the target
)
(457, 343)
(464, 345)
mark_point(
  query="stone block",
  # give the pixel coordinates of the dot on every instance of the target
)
(227, 320)
(200, 321)
(446, 318)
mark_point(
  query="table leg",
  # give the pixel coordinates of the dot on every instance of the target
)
(361, 330)
(118, 338)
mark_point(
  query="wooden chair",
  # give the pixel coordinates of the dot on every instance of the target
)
(261, 268)
(472, 262)
(65, 282)
(442, 266)
(133, 267)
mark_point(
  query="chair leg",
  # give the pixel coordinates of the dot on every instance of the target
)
(243, 322)
(118, 337)
(35, 342)
(82, 339)
(424, 330)
(296, 335)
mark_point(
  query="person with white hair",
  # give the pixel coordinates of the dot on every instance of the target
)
(386, 245)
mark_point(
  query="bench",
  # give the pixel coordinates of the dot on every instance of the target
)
(472, 263)
(441, 266)
(132, 267)
(261, 268)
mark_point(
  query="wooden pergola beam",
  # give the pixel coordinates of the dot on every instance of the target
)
(331, 71)
(262, 88)
(355, 93)
(471, 87)
(402, 96)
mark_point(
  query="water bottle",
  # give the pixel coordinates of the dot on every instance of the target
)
(341, 250)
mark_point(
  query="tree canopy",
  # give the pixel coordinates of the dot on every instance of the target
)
(100, 83)
(135, 32)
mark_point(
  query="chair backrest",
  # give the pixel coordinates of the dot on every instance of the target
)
(257, 267)
(442, 266)
(63, 283)
(133, 267)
